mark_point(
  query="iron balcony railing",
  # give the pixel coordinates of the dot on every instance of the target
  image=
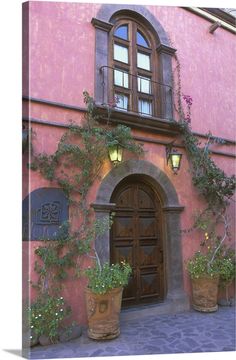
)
(136, 93)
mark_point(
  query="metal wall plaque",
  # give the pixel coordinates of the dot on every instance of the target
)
(44, 210)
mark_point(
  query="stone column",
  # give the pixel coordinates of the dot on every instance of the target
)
(102, 243)
(165, 58)
(175, 291)
(101, 59)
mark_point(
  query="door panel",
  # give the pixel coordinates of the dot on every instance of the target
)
(149, 285)
(136, 238)
(123, 227)
(147, 226)
(148, 255)
(144, 200)
(124, 253)
(126, 199)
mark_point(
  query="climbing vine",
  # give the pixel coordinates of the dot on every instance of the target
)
(74, 166)
(212, 183)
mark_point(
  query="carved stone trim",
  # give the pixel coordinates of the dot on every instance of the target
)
(173, 208)
(103, 25)
(103, 207)
(156, 177)
(162, 48)
(135, 120)
(107, 12)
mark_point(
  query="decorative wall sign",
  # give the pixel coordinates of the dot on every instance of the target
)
(49, 213)
(44, 210)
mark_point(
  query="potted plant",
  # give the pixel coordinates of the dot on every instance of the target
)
(103, 298)
(204, 279)
(211, 263)
(227, 274)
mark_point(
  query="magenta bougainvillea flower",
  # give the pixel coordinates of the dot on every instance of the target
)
(188, 99)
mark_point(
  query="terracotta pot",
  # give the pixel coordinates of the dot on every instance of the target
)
(103, 313)
(205, 292)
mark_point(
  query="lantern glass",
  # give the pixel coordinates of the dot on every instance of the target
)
(115, 153)
(175, 159)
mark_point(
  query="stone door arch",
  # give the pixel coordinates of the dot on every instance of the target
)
(171, 219)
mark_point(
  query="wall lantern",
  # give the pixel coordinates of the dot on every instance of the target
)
(173, 158)
(115, 154)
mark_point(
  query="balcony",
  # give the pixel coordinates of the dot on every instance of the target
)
(135, 100)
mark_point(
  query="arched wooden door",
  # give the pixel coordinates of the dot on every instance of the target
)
(136, 237)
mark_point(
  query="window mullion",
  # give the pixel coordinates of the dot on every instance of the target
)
(156, 86)
(134, 68)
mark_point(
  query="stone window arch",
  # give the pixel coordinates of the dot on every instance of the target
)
(155, 99)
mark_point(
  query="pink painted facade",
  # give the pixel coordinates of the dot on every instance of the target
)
(61, 64)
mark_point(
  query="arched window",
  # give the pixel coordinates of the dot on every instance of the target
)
(133, 74)
(133, 66)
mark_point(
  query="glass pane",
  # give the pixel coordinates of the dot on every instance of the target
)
(145, 107)
(122, 32)
(141, 40)
(143, 61)
(121, 78)
(144, 85)
(122, 101)
(175, 160)
(121, 53)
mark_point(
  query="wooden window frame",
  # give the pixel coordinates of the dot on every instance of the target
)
(132, 68)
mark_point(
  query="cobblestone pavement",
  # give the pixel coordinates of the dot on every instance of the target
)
(187, 332)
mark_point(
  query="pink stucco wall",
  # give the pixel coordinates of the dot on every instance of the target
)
(62, 42)
(61, 66)
(208, 70)
(61, 50)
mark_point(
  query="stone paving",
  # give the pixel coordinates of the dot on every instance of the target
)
(187, 332)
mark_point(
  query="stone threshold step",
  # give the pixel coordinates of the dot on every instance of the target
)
(168, 307)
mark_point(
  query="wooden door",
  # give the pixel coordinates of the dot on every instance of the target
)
(136, 238)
